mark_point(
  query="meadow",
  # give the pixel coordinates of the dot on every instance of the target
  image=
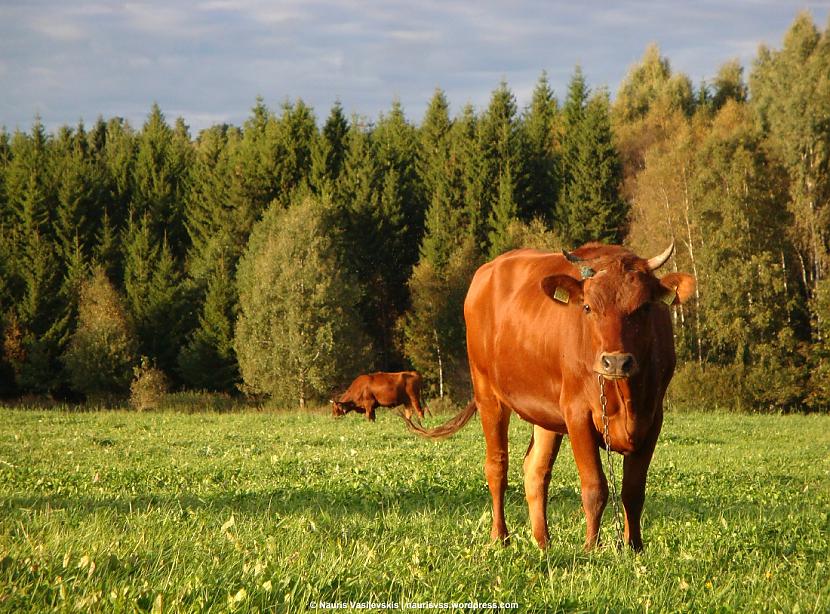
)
(114, 511)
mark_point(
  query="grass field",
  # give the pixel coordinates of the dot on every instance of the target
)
(117, 511)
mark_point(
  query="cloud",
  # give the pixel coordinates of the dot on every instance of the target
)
(208, 59)
(59, 30)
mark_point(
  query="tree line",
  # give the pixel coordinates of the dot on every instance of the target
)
(285, 256)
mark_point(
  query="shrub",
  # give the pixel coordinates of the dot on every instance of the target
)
(149, 386)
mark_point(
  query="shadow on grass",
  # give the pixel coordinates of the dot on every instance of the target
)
(369, 503)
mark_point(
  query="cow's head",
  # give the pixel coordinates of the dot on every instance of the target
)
(338, 409)
(618, 296)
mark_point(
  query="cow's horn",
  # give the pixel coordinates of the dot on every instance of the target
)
(658, 261)
(570, 257)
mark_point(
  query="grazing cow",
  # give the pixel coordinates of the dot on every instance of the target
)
(544, 331)
(385, 389)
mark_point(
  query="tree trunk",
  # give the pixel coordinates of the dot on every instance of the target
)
(440, 365)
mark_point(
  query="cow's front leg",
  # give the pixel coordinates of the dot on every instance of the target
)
(544, 446)
(635, 470)
(369, 410)
(591, 478)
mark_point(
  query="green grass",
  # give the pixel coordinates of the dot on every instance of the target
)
(117, 511)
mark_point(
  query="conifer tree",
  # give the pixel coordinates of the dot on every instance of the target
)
(468, 157)
(102, 350)
(434, 155)
(118, 158)
(36, 312)
(255, 163)
(573, 116)
(36, 305)
(296, 133)
(328, 152)
(30, 181)
(106, 252)
(498, 137)
(154, 294)
(78, 194)
(590, 206)
(210, 220)
(539, 192)
(503, 215)
(208, 360)
(159, 179)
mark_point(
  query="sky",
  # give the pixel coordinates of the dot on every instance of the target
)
(208, 60)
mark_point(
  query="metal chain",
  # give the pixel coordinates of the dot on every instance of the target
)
(606, 437)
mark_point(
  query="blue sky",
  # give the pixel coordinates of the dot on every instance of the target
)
(208, 60)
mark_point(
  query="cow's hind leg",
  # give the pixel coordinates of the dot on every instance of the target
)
(495, 419)
(544, 446)
(416, 405)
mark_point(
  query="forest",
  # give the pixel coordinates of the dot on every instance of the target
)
(282, 258)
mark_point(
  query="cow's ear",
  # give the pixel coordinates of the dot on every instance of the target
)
(563, 289)
(676, 288)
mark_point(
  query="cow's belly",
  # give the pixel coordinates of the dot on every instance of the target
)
(539, 411)
(547, 420)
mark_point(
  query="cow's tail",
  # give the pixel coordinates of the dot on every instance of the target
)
(450, 427)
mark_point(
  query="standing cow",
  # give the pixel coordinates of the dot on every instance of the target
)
(543, 331)
(369, 391)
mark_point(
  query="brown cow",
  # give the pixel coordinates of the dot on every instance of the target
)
(385, 389)
(543, 330)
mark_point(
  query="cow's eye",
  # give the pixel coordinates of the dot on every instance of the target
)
(586, 308)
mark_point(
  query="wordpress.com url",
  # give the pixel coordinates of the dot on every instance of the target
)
(413, 605)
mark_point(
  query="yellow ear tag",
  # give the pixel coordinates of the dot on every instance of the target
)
(669, 296)
(561, 295)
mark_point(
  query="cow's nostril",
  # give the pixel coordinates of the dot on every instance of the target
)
(627, 363)
(606, 362)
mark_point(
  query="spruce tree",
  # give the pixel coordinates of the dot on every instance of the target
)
(590, 205)
(36, 303)
(328, 152)
(160, 179)
(154, 294)
(468, 157)
(504, 214)
(102, 350)
(499, 144)
(539, 191)
(210, 219)
(119, 158)
(433, 155)
(296, 133)
(208, 360)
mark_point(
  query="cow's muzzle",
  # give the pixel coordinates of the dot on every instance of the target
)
(616, 365)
